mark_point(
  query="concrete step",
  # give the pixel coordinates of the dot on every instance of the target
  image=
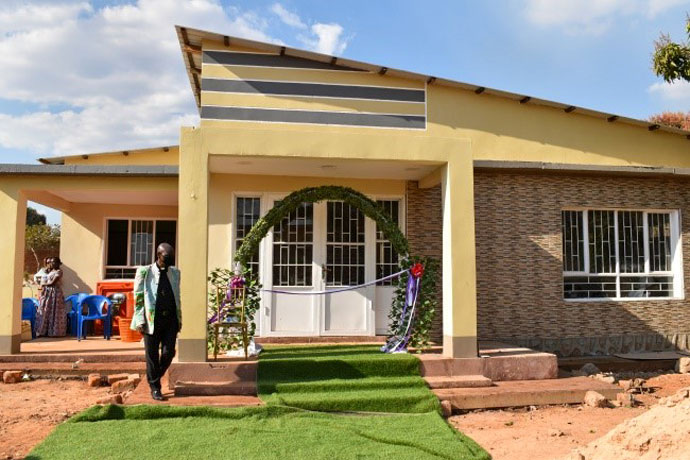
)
(197, 388)
(142, 395)
(48, 369)
(516, 364)
(520, 393)
(127, 357)
(458, 381)
(216, 378)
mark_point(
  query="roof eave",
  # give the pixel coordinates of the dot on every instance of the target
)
(477, 89)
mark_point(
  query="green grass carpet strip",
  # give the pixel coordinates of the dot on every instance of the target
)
(337, 378)
(268, 432)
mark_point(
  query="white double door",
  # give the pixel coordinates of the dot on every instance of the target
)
(325, 246)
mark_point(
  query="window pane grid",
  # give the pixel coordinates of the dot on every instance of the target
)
(141, 240)
(386, 256)
(631, 241)
(659, 242)
(293, 248)
(573, 241)
(344, 244)
(248, 211)
(629, 252)
(602, 235)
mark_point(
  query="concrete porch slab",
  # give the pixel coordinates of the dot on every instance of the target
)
(526, 393)
(497, 362)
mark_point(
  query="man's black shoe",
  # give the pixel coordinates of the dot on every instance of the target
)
(157, 395)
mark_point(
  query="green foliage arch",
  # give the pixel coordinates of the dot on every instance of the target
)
(291, 202)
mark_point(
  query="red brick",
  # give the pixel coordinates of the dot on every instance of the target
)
(12, 376)
(94, 380)
(116, 378)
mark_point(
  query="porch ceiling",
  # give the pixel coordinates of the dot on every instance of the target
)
(63, 199)
(152, 197)
(321, 167)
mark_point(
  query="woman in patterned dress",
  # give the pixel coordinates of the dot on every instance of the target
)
(51, 319)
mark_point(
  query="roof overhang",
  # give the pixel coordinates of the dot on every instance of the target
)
(84, 170)
(191, 46)
(61, 159)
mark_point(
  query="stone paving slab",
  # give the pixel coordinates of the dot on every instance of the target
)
(522, 393)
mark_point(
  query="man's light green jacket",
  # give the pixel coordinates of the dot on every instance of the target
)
(145, 292)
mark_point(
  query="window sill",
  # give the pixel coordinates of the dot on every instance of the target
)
(624, 299)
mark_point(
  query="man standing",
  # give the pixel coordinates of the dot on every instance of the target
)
(157, 314)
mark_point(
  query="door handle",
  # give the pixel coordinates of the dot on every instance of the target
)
(324, 271)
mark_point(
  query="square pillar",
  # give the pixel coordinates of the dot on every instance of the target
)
(13, 211)
(193, 245)
(459, 263)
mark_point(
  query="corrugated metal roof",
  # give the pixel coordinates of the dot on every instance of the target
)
(190, 38)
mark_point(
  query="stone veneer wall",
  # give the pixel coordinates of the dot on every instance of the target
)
(519, 265)
(424, 233)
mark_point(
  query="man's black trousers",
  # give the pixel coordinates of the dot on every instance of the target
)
(160, 351)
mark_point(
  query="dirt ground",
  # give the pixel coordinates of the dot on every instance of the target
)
(546, 433)
(30, 410)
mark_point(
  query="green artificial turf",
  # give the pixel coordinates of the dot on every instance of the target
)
(337, 378)
(268, 432)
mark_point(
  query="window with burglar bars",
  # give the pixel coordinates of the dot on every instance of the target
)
(248, 211)
(386, 256)
(132, 242)
(293, 247)
(344, 244)
(618, 254)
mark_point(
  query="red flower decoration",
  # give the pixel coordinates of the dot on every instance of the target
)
(417, 270)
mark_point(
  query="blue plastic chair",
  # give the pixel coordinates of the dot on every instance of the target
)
(73, 311)
(29, 309)
(94, 306)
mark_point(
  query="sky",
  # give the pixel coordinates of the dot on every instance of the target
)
(86, 76)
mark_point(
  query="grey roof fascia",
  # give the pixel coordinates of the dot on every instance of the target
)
(564, 167)
(90, 170)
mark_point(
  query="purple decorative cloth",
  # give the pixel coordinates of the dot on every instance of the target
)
(398, 343)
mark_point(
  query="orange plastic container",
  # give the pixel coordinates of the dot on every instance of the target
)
(126, 309)
(126, 334)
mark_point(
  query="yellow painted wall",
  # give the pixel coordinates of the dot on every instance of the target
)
(146, 157)
(497, 128)
(82, 245)
(221, 205)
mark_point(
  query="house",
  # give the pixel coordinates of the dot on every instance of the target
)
(559, 228)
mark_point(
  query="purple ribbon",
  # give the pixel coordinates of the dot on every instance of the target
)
(398, 343)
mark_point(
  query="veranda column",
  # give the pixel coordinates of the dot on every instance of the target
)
(193, 245)
(13, 212)
(459, 275)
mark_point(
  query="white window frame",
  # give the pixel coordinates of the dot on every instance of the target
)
(129, 243)
(233, 227)
(676, 255)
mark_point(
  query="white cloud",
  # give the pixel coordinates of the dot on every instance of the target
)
(118, 69)
(322, 38)
(329, 39)
(672, 96)
(592, 17)
(16, 16)
(655, 7)
(288, 17)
